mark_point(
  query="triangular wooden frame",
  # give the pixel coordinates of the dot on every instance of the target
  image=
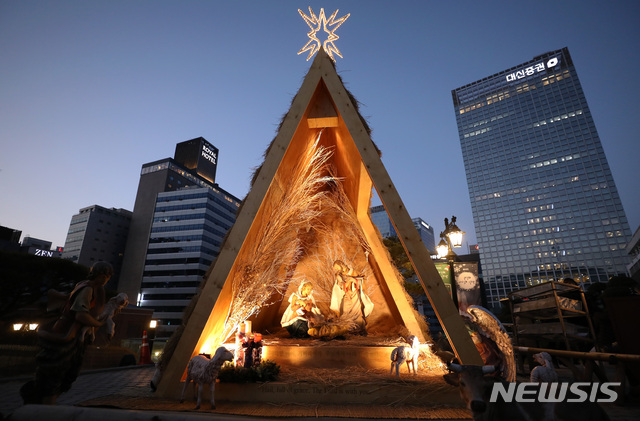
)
(323, 101)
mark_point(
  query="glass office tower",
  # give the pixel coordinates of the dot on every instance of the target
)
(188, 228)
(544, 203)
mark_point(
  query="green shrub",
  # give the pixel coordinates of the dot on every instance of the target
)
(267, 371)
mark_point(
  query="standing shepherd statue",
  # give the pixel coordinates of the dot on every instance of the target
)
(63, 342)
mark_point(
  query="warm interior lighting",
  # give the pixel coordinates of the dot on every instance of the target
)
(207, 347)
(153, 324)
(33, 326)
(17, 326)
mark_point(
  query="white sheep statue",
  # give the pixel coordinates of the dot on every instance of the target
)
(111, 308)
(203, 370)
(404, 353)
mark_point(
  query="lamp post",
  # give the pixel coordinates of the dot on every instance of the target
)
(152, 336)
(450, 238)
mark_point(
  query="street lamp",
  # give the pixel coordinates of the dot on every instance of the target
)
(443, 249)
(453, 233)
(450, 238)
(153, 324)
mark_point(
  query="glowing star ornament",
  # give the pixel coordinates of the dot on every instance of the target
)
(329, 26)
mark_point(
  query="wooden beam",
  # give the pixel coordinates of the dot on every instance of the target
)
(382, 257)
(204, 318)
(322, 113)
(322, 122)
(211, 310)
(446, 311)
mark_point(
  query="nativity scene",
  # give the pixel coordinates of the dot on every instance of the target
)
(304, 265)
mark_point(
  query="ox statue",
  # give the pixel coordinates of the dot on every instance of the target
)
(475, 386)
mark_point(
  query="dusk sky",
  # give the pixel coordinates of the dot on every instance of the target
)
(91, 90)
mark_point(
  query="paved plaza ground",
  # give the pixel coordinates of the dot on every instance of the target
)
(124, 393)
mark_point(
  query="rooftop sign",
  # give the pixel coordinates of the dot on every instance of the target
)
(531, 70)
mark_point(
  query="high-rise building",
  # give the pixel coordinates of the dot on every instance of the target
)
(179, 219)
(381, 220)
(544, 203)
(98, 234)
(188, 228)
(194, 164)
(426, 233)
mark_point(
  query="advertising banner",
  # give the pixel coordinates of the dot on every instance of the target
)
(443, 270)
(467, 285)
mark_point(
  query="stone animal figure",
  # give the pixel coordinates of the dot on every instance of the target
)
(475, 389)
(406, 354)
(203, 370)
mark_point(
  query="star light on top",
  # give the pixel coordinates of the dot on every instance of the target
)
(329, 26)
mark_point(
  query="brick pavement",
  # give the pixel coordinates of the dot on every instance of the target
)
(133, 382)
(89, 385)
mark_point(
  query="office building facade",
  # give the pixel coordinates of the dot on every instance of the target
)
(98, 234)
(179, 219)
(426, 233)
(188, 228)
(544, 202)
(381, 220)
(194, 164)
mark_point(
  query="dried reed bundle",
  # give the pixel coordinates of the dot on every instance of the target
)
(337, 208)
(278, 248)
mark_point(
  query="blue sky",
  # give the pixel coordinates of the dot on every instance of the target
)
(89, 91)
